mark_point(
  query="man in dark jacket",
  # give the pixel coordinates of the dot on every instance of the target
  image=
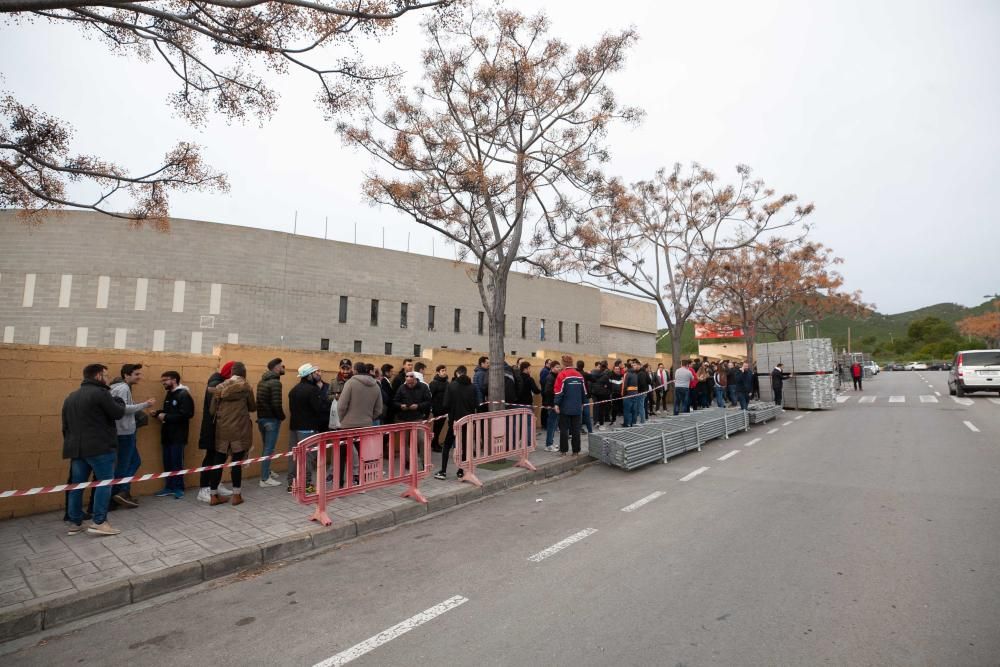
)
(630, 394)
(459, 401)
(481, 381)
(732, 377)
(206, 437)
(89, 441)
(571, 392)
(175, 420)
(308, 414)
(270, 414)
(777, 382)
(412, 402)
(438, 387)
(744, 385)
(548, 405)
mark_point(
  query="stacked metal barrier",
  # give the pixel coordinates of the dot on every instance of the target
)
(762, 411)
(811, 383)
(631, 448)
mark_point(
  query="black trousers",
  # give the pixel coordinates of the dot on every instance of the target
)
(777, 396)
(857, 383)
(569, 427)
(236, 472)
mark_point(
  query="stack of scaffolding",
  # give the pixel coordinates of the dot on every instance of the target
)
(810, 364)
(762, 411)
(657, 441)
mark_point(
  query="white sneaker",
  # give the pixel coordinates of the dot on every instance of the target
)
(275, 478)
(270, 481)
(102, 529)
(204, 495)
(223, 491)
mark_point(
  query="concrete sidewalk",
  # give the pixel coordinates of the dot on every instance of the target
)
(48, 578)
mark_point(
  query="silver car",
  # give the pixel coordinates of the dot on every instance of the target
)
(974, 370)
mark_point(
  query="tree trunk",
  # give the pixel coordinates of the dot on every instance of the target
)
(675, 352)
(496, 314)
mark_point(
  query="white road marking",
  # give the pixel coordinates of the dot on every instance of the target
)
(799, 417)
(562, 544)
(897, 399)
(937, 393)
(972, 427)
(928, 399)
(773, 431)
(962, 401)
(642, 501)
(843, 399)
(372, 643)
(688, 477)
(787, 424)
(867, 399)
(729, 455)
(752, 442)
(930, 385)
(994, 401)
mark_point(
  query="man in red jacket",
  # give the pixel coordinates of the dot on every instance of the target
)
(857, 374)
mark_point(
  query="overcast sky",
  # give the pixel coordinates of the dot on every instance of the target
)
(885, 114)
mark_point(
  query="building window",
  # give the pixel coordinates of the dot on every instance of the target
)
(482, 316)
(430, 318)
(541, 331)
(324, 344)
(357, 347)
(388, 348)
(577, 330)
(416, 349)
(524, 327)
(560, 331)
(403, 307)
(458, 320)
(374, 312)
(343, 310)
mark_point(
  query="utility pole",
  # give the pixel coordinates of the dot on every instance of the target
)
(326, 225)
(848, 340)
(295, 224)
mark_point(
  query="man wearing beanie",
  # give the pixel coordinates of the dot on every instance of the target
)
(570, 392)
(206, 437)
(309, 413)
(270, 414)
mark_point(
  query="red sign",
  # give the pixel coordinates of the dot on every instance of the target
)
(702, 331)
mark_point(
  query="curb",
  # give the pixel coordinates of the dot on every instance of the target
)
(21, 622)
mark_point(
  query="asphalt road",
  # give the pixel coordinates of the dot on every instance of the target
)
(866, 535)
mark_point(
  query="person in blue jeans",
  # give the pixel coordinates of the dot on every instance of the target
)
(127, 459)
(548, 404)
(682, 387)
(89, 442)
(175, 419)
(630, 392)
(270, 414)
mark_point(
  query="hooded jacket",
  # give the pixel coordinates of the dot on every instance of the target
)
(527, 389)
(178, 411)
(481, 381)
(460, 399)
(405, 396)
(269, 405)
(570, 392)
(360, 402)
(123, 391)
(232, 404)
(438, 387)
(777, 378)
(88, 421)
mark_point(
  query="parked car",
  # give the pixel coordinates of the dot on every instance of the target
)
(974, 370)
(916, 366)
(946, 366)
(873, 367)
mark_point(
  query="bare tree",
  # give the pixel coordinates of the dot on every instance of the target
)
(503, 137)
(661, 239)
(216, 49)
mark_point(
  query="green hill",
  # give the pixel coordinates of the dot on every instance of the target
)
(877, 334)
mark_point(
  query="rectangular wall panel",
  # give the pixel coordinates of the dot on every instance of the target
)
(8, 334)
(233, 339)
(195, 342)
(158, 339)
(141, 290)
(29, 291)
(215, 300)
(179, 286)
(81, 336)
(43, 335)
(65, 290)
(121, 338)
(103, 291)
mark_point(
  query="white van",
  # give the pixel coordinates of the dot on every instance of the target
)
(974, 370)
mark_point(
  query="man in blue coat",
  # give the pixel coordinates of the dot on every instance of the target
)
(570, 392)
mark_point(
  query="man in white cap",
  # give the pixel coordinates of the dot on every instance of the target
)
(309, 413)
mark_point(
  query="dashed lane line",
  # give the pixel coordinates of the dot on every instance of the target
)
(642, 501)
(773, 431)
(752, 442)
(928, 399)
(897, 399)
(799, 417)
(962, 401)
(691, 475)
(729, 455)
(787, 424)
(386, 636)
(562, 544)
(843, 399)
(994, 401)
(867, 399)
(972, 427)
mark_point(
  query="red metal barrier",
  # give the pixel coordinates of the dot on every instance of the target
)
(492, 436)
(385, 455)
